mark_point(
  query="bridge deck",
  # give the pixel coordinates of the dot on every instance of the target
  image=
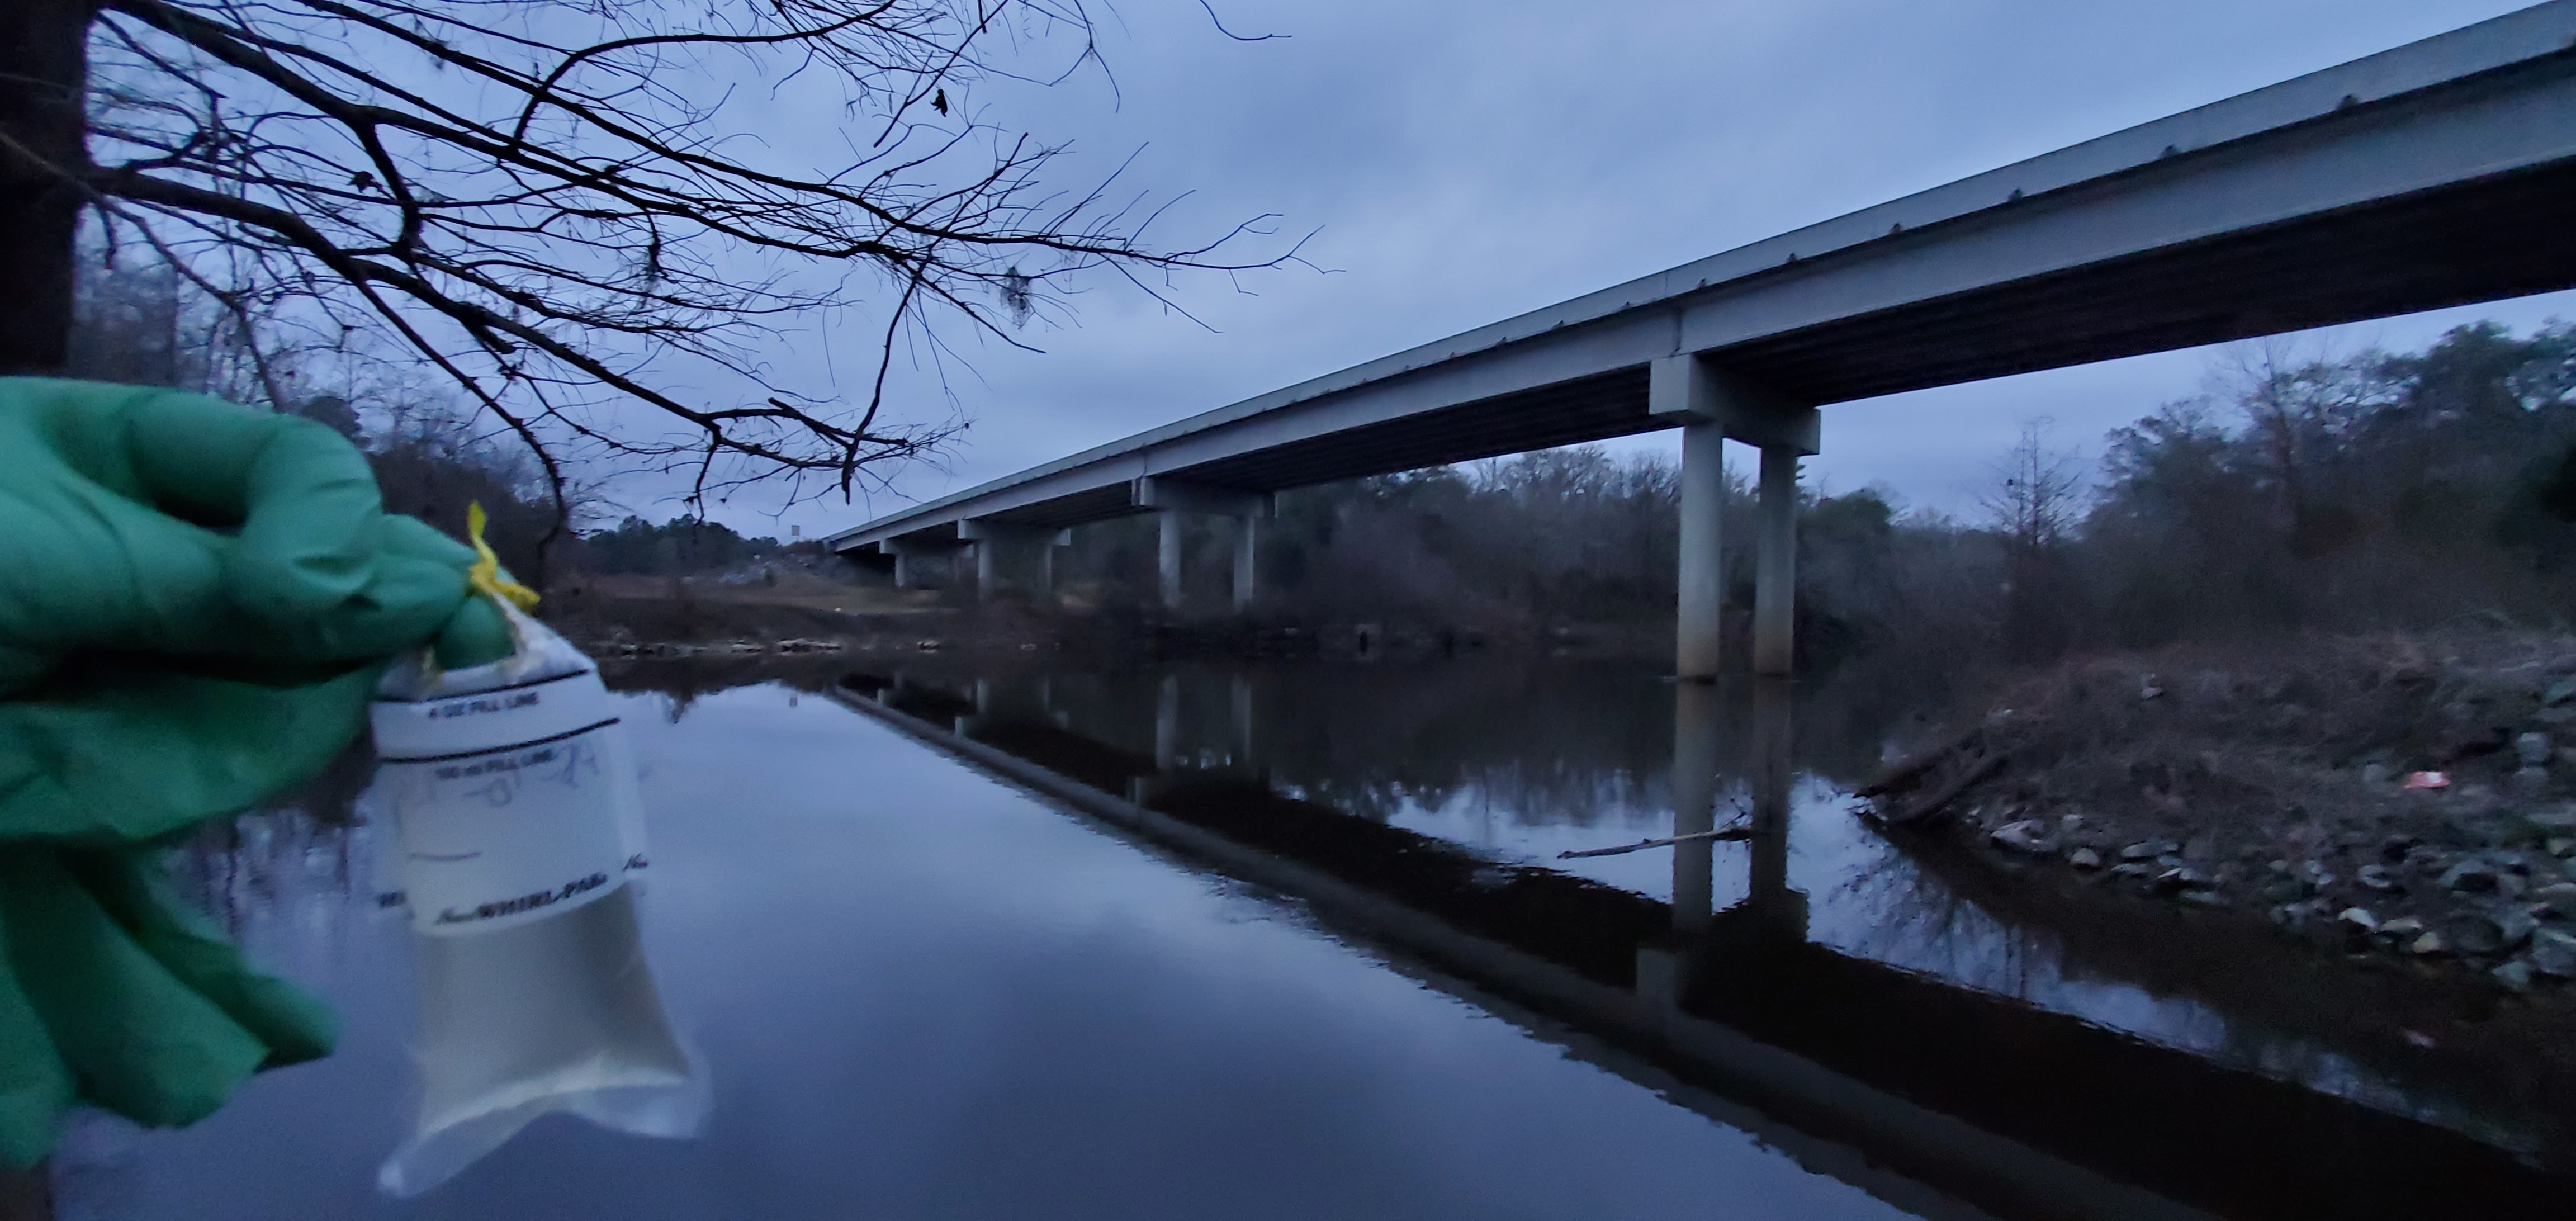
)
(2439, 173)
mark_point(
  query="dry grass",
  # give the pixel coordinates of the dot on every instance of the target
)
(2276, 740)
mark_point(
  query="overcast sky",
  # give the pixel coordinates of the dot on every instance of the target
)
(1462, 163)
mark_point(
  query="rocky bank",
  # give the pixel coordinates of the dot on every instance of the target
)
(2394, 796)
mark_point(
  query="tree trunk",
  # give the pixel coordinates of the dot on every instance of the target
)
(44, 64)
(44, 67)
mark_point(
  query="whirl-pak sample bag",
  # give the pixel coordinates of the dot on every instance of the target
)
(511, 795)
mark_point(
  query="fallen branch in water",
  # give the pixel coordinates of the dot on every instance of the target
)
(1911, 769)
(1723, 833)
(1923, 812)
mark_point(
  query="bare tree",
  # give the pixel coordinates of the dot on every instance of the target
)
(556, 202)
(2037, 499)
(2038, 494)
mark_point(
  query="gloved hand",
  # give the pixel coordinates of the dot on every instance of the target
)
(196, 601)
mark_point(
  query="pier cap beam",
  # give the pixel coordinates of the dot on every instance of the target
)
(1691, 390)
(1161, 492)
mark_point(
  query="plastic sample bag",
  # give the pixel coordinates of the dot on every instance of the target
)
(512, 794)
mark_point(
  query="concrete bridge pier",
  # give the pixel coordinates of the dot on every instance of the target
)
(1171, 498)
(1009, 557)
(1714, 406)
(909, 556)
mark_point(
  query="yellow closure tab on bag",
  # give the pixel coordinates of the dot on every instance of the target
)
(486, 573)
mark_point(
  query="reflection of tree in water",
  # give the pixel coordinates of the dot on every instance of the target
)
(1909, 919)
(1892, 912)
(1535, 744)
(244, 869)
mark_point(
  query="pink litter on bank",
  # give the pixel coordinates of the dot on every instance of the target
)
(2428, 780)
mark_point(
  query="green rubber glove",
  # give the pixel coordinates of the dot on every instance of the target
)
(196, 602)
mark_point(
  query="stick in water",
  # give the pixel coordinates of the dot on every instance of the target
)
(1641, 845)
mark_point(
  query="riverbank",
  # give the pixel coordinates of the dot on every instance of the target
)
(640, 617)
(2406, 798)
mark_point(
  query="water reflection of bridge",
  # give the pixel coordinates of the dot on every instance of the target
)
(1927, 1093)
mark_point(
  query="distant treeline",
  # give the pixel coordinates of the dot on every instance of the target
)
(2372, 490)
(2366, 491)
(135, 325)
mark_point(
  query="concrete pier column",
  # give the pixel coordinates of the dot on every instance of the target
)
(1167, 724)
(1698, 620)
(1168, 559)
(1695, 751)
(1775, 581)
(1247, 544)
(904, 576)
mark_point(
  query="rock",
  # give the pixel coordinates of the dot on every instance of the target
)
(2200, 848)
(2533, 749)
(2180, 877)
(2297, 915)
(2133, 870)
(2380, 878)
(2315, 874)
(2086, 858)
(2513, 925)
(2559, 692)
(2376, 773)
(2476, 935)
(2561, 845)
(2426, 945)
(2283, 890)
(2401, 929)
(2513, 976)
(2424, 858)
(2148, 850)
(2359, 920)
(2069, 824)
(2472, 875)
(2558, 820)
(2553, 952)
(2202, 898)
(2026, 836)
(2531, 780)
(2393, 849)
(2559, 898)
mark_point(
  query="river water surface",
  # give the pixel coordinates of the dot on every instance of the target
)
(921, 990)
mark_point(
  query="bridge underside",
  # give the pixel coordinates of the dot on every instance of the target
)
(2503, 237)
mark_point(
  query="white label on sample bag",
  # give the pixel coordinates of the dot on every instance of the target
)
(507, 801)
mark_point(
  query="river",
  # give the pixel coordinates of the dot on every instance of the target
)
(964, 940)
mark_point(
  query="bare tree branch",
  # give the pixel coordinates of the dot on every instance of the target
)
(557, 205)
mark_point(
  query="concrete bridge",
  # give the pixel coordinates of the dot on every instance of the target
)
(2440, 173)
